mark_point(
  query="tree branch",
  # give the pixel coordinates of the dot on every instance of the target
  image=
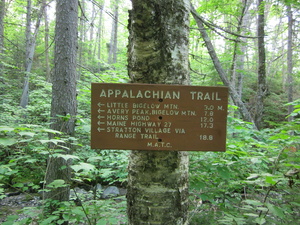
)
(233, 93)
(212, 26)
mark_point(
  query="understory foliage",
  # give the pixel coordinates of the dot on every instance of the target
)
(256, 181)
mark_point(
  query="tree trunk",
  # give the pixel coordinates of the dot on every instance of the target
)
(28, 59)
(232, 91)
(112, 48)
(99, 35)
(64, 105)
(290, 61)
(158, 53)
(2, 13)
(239, 51)
(261, 84)
(48, 75)
(82, 37)
(30, 48)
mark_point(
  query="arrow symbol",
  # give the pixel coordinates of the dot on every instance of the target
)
(100, 129)
(99, 123)
(99, 104)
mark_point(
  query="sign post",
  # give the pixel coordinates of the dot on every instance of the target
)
(158, 117)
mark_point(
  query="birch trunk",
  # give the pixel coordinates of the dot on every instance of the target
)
(158, 53)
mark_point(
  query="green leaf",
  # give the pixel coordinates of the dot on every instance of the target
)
(66, 157)
(6, 129)
(95, 159)
(101, 222)
(260, 220)
(105, 173)
(10, 220)
(255, 160)
(31, 160)
(113, 220)
(51, 131)
(57, 184)
(253, 202)
(7, 141)
(253, 176)
(26, 133)
(251, 214)
(86, 128)
(276, 211)
(295, 203)
(264, 209)
(270, 180)
(18, 185)
(54, 141)
(83, 166)
(224, 172)
(49, 220)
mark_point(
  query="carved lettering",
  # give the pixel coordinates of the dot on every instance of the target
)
(211, 96)
(159, 144)
(149, 136)
(159, 117)
(117, 93)
(158, 130)
(127, 135)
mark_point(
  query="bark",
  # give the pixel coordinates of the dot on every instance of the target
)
(99, 34)
(82, 37)
(28, 59)
(112, 47)
(232, 91)
(48, 75)
(261, 82)
(63, 106)
(290, 61)
(2, 13)
(158, 53)
(239, 51)
(30, 48)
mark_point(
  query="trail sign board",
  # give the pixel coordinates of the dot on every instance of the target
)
(158, 117)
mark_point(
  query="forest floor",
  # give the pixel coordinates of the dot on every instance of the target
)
(11, 205)
(14, 203)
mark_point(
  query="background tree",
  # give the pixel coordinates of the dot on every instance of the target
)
(261, 82)
(2, 13)
(290, 60)
(30, 48)
(99, 34)
(219, 68)
(113, 44)
(158, 53)
(47, 46)
(64, 104)
(238, 60)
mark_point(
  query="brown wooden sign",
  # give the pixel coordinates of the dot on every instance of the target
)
(158, 117)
